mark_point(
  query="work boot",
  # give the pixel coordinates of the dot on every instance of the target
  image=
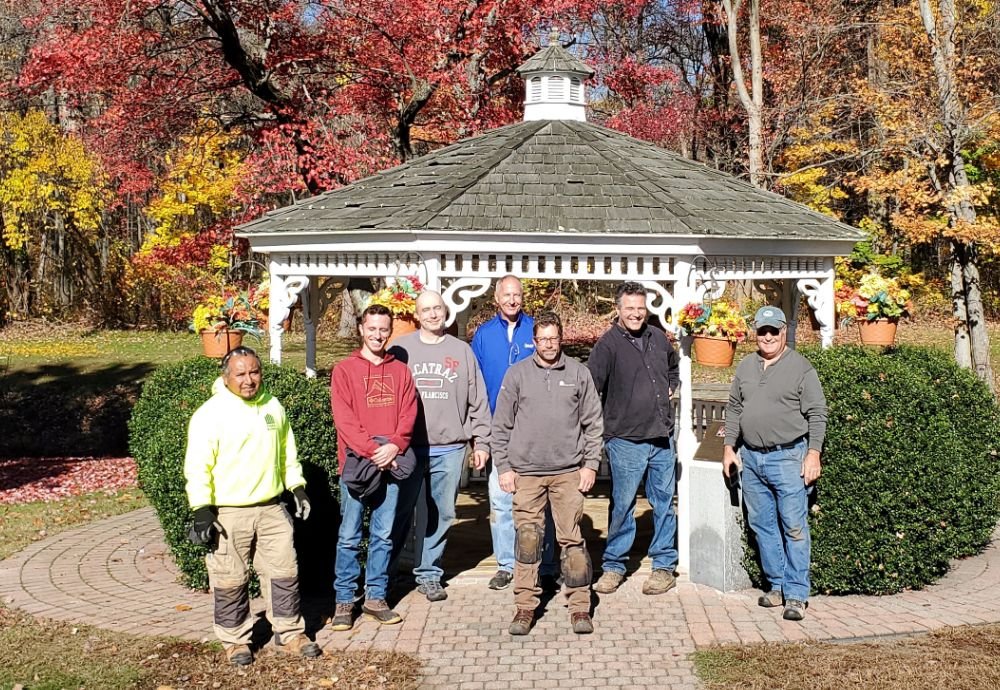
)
(582, 624)
(300, 645)
(380, 611)
(343, 617)
(239, 655)
(522, 622)
(433, 591)
(660, 582)
(795, 610)
(501, 580)
(609, 582)
(771, 599)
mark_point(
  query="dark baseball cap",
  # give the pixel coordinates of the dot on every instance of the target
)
(769, 316)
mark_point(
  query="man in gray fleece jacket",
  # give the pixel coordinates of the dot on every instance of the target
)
(546, 441)
(777, 418)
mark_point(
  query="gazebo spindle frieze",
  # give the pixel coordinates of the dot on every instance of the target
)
(554, 198)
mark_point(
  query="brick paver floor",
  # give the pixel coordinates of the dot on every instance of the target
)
(116, 574)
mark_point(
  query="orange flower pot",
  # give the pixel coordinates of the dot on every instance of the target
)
(714, 352)
(217, 344)
(880, 332)
(401, 325)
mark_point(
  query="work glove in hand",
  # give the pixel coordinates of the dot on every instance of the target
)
(205, 526)
(302, 504)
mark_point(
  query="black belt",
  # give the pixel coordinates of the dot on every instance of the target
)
(771, 449)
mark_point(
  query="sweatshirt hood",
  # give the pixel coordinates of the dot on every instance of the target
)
(388, 357)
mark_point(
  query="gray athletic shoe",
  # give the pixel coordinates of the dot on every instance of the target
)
(795, 610)
(501, 580)
(433, 591)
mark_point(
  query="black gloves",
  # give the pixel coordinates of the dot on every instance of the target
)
(205, 526)
(302, 504)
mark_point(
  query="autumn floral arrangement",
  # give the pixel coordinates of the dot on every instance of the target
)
(716, 319)
(235, 310)
(874, 297)
(399, 295)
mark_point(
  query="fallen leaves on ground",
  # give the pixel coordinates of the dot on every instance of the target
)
(46, 479)
(37, 652)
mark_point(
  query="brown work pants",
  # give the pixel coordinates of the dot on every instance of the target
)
(562, 493)
(263, 533)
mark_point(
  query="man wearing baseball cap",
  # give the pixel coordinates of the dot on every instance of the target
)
(776, 420)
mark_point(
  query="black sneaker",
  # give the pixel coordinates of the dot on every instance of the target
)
(501, 580)
(433, 591)
(795, 610)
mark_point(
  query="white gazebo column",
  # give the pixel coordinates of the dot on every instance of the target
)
(310, 314)
(687, 441)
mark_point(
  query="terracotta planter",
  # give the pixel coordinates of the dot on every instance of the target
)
(878, 332)
(401, 325)
(218, 343)
(714, 352)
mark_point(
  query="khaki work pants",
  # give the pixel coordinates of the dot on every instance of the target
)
(562, 493)
(263, 533)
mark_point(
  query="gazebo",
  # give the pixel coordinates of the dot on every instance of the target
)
(554, 197)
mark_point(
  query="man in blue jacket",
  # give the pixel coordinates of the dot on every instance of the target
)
(499, 343)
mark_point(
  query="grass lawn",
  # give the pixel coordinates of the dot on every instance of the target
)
(23, 523)
(965, 657)
(48, 655)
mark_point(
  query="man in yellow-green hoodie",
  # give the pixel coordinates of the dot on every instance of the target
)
(240, 457)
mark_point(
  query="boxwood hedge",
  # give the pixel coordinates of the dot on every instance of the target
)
(911, 469)
(157, 438)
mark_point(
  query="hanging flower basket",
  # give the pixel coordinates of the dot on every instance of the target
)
(401, 325)
(714, 352)
(878, 331)
(218, 343)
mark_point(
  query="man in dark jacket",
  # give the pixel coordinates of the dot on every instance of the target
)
(635, 369)
(547, 434)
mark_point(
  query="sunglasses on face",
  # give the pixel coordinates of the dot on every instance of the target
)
(768, 330)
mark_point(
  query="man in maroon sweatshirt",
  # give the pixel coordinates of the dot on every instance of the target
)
(374, 408)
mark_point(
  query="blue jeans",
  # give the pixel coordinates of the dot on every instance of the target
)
(382, 505)
(429, 494)
(629, 461)
(773, 491)
(502, 529)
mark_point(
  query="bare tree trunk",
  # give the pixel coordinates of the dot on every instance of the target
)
(752, 99)
(972, 344)
(356, 296)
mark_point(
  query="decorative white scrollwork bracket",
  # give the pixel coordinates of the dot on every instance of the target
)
(659, 301)
(460, 294)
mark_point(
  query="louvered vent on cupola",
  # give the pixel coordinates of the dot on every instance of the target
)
(554, 84)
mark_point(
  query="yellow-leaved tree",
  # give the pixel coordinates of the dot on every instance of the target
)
(52, 196)
(187, 252)
(933, 103)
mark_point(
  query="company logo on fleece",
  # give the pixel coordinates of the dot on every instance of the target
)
(380, 390)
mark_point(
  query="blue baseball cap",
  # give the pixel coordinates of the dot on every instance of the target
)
(769, 316)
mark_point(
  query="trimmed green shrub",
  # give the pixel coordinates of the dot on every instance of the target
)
(911, 469)
(158, 436)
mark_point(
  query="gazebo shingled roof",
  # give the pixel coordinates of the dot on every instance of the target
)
(557, 198)
(549, 176)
